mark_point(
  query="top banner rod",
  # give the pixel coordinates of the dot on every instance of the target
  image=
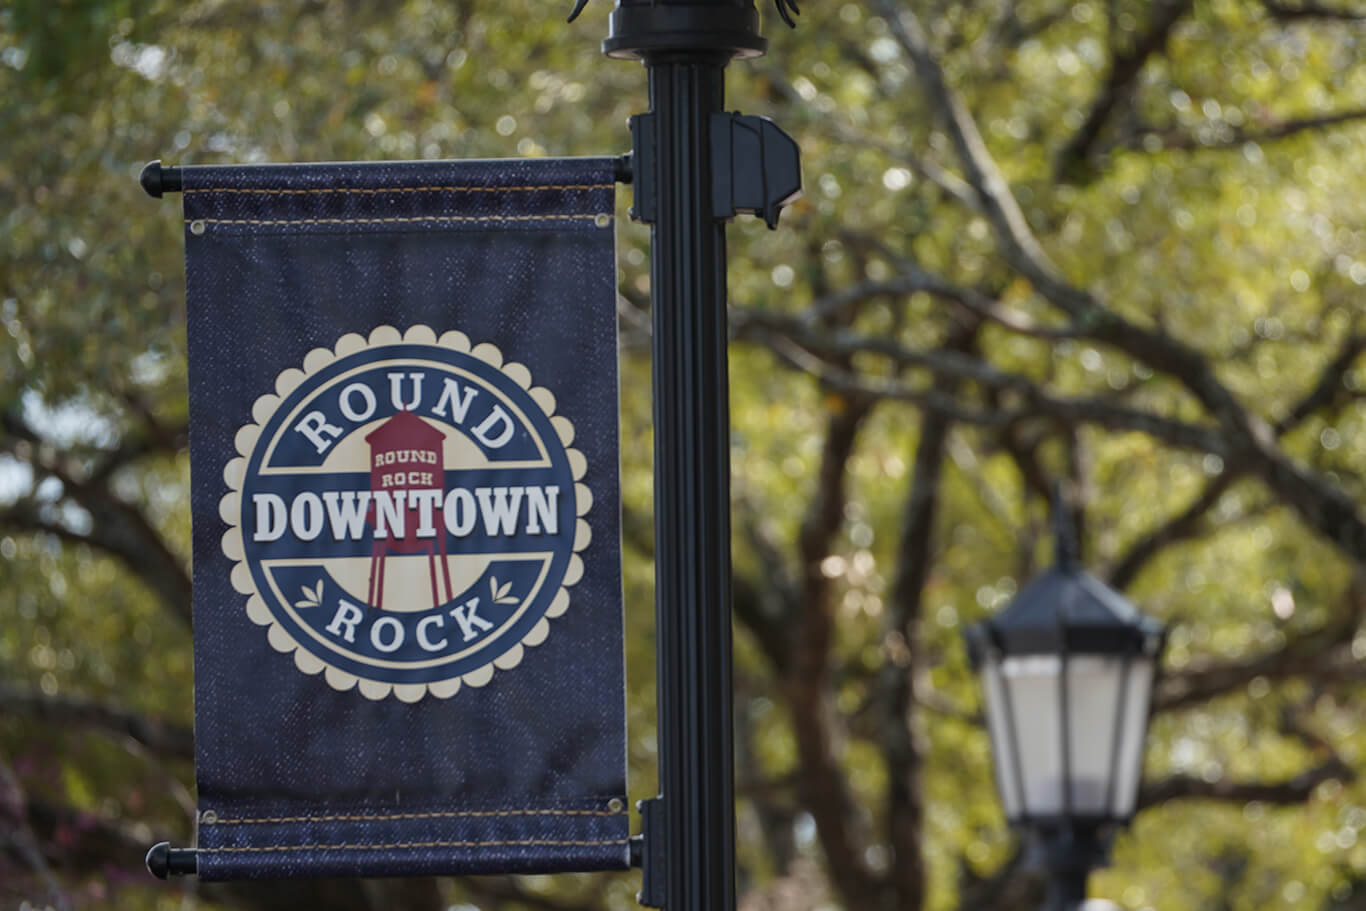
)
(158, 179)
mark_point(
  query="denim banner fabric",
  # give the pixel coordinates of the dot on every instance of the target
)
(407, 579)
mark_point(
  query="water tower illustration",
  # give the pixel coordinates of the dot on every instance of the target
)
(406, 454)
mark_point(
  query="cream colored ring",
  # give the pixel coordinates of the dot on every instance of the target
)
(234, 475)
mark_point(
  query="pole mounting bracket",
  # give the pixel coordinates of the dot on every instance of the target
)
(756, 167)
(654, 857)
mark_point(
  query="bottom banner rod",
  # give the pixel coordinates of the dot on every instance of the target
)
(164, 861)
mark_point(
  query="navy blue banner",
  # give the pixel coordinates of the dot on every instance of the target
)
(407, 576)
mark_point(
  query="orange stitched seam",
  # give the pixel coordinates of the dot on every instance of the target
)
(357, 221)
(284, 192)
(470, 814)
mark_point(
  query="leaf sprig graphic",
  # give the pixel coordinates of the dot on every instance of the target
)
(500, 593)
(311, 598)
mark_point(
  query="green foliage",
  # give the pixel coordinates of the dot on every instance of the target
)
(1218, 204)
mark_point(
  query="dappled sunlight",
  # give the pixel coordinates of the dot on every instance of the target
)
(1120, 245)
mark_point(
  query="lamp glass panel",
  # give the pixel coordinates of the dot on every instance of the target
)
(1093, 710)
(1002, 743)
(1033, 681)
(1135, 729)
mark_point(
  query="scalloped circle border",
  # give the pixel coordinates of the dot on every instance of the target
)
(234, 475)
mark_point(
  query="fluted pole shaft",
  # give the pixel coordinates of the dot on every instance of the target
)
(692, 488)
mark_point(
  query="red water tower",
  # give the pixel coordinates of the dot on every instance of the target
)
(407, 454)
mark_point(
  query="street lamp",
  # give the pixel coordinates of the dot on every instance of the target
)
(1068, 670)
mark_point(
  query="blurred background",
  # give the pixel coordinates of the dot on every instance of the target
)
(1115, 243)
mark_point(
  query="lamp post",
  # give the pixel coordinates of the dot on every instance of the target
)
(694, 167)
(1068, 670)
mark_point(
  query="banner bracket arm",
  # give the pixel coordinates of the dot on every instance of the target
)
(158, 179)
(755, 167)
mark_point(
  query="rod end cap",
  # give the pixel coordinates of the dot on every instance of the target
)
(159, 856)
(150, 178)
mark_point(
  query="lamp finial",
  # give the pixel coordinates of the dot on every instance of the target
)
(1064, 530)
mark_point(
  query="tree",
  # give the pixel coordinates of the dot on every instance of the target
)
(1113, 244)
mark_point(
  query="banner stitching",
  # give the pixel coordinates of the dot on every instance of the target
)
(430, 383)
(283, 192)
(379, 818)
(535, 842)
(366, 221)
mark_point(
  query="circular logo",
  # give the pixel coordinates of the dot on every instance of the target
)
(405, 514)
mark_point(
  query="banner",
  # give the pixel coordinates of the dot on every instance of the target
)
(407, 580)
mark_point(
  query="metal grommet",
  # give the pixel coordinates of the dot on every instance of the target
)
(197, 227)
(616, 805)
(208, 817)
(602, 220)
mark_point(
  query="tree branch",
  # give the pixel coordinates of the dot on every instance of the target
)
(1284, 12)
(116, 527)
(914, 280)
(812, 352)
(952, 185)
(821, 779)
(825, 792)
(1119, 81)
(1009, 31)
(159, 440)
(1293, 791)
(1191, 521)
(980, 171)
(122, 532)
(770, 799)
(1181, 527)
(1243, 438)
(902, 755)
(161, 737)
(1236, 138)
(1319, 503)
(18, 837)
(1314, 654)
(1329, 387)
(766, 601)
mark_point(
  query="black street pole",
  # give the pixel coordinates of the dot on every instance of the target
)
(691, 441)
(1071, 852)
(1066, 890)
(692, 487)
(685, 46)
